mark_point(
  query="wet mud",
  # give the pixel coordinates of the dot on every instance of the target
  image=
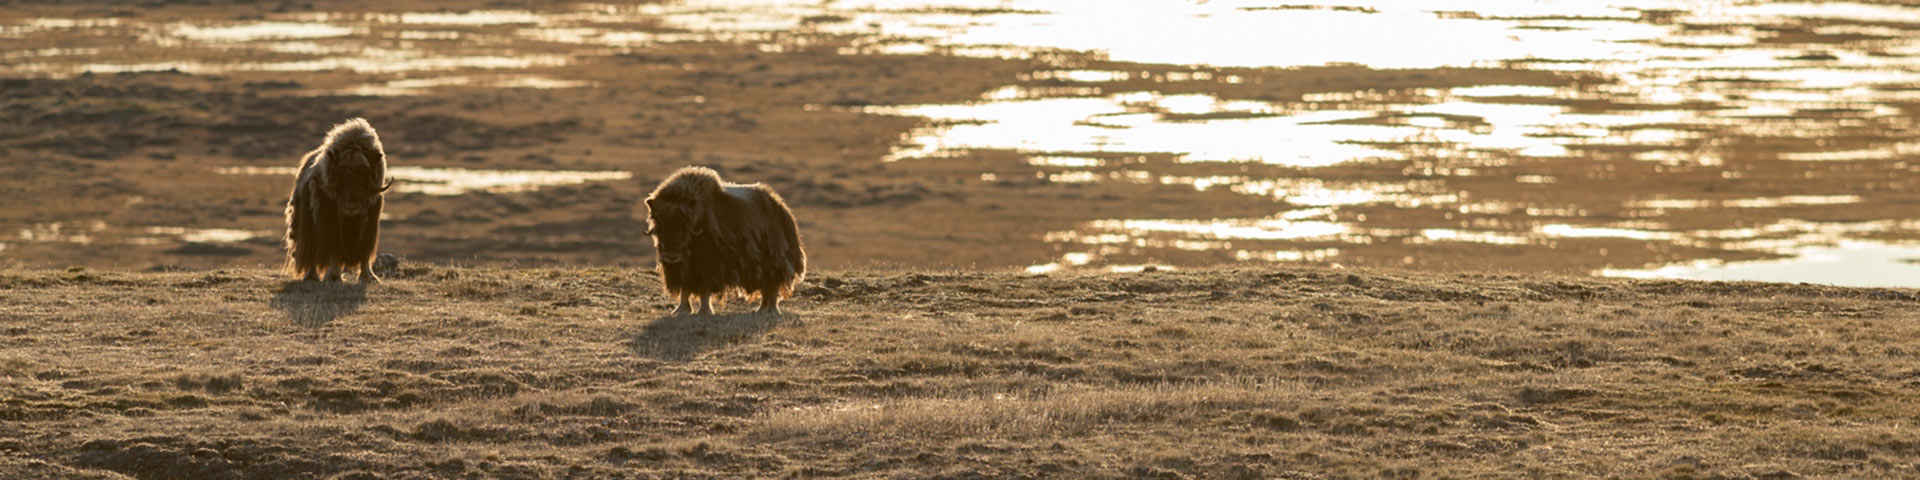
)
(1634, 140)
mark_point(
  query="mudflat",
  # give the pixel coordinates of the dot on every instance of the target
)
(162, 136)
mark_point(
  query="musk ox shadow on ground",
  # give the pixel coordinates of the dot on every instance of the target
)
(679, 338)
(314, 304)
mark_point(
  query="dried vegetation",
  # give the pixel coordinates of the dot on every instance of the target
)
(1297, 372)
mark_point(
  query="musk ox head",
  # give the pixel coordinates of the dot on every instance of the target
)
(680, 210)
(354, 170)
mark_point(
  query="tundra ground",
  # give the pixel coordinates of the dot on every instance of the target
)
(1291, 372)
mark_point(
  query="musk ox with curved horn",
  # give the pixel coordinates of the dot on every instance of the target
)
(715, 237)
(333, 219)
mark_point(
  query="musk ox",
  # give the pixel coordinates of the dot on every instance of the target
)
(333, 218)
(715, 237)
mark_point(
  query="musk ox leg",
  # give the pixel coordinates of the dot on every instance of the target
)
(706, 304)
(770, 300)
(369, 243)
(302, 272)
(333, 271)
(686, 305)
(366, 272)
(301, 246)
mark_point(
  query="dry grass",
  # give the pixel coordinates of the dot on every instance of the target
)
(1294, 372)
(1012, 417)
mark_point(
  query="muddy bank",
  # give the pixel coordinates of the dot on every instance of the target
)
(139, 151)
(108, 159)
(1291, 372)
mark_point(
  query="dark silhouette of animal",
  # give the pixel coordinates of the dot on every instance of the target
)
(333, 217)
(715, 237)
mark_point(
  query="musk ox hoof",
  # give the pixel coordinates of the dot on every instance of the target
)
(369, 279)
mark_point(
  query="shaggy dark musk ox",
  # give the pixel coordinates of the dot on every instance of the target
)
(333, 219)
(715, 237)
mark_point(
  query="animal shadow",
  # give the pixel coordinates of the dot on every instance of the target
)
(678, 338)
(313, 304)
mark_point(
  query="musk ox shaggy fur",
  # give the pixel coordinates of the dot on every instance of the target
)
(333, 217)
(715, 237)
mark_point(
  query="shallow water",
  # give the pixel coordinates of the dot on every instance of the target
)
(456, 181)
(98, 232)
(1721, 139)
(1849, 263)
(1802, 82)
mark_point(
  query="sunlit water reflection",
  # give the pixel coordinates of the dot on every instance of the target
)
(1701, 129)
(97, 232)
(1694, 86)
(1850, 263)
(456, 181)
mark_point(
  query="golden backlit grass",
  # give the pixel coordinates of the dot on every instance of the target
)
(1290, 372)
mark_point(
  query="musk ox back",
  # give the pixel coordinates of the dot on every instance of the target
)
(715, 237)
(333, 217)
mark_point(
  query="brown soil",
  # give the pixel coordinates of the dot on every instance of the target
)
(448, 372)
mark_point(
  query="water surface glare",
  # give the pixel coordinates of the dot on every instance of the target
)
(99, 232)
(1850, 264)
(456, 181)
